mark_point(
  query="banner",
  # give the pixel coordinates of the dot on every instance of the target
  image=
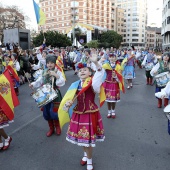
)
(89, 36)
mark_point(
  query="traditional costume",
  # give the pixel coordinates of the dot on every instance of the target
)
(129, 70)
(113, 84)
(86, 125)
(50, 111)
(160, 67)
(148, 63)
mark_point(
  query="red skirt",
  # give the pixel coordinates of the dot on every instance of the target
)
(112, 91)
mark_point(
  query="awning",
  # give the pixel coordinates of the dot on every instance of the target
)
(88, 27)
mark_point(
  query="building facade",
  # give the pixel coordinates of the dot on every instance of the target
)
(166, 24)
(61, 14)
(117, 18)
(135, 22)
(154, 38)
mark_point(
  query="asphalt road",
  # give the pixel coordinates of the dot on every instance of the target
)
(136, 140)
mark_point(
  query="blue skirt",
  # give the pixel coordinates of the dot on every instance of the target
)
(129, 72)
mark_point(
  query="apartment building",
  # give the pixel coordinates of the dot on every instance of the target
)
(61, 14)
(154, 38)
(135, 21)
(166, 24)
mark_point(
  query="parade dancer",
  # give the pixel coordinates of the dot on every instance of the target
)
(129, 70)
(8, 101)
(86, 125)
(161, 67)
(111, 84)
(148, 63)
(50, 110)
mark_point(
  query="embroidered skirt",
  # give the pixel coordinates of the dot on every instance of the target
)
(129, 72)
(85, 129)
(4, 121)
(112, 91)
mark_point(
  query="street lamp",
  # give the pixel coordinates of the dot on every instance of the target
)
(73, 22)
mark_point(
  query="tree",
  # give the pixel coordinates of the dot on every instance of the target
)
(110, 39)
(53, 38)
(11, 17)
(93, 44)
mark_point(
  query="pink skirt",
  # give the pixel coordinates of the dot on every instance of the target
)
(85, 129)
(112, 91)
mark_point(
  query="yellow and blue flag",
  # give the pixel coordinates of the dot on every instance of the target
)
(64, 116)
(40, 15)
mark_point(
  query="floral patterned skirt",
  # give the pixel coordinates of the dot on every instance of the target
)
(112, 91)
(85, 129)
(4, 121)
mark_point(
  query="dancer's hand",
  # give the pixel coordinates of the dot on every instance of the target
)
(94, 57)
(30, 85)
(53, 73)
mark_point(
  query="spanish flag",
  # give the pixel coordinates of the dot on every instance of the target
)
(11, 69)
(13, 72)
(60, 62)
(40, 15)
(6, 99)
(60, 69)
(102, 96)
(118, 71)
(14, 96)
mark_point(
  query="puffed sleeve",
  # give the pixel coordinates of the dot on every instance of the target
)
(36, 67)
(38, 82)
(97, 80)
(155, 69)
(60, 81)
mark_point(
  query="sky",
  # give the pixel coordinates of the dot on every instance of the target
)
(154, 16)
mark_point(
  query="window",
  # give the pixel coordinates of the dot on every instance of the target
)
(134, 40)
(168, 20)
(135, 35)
